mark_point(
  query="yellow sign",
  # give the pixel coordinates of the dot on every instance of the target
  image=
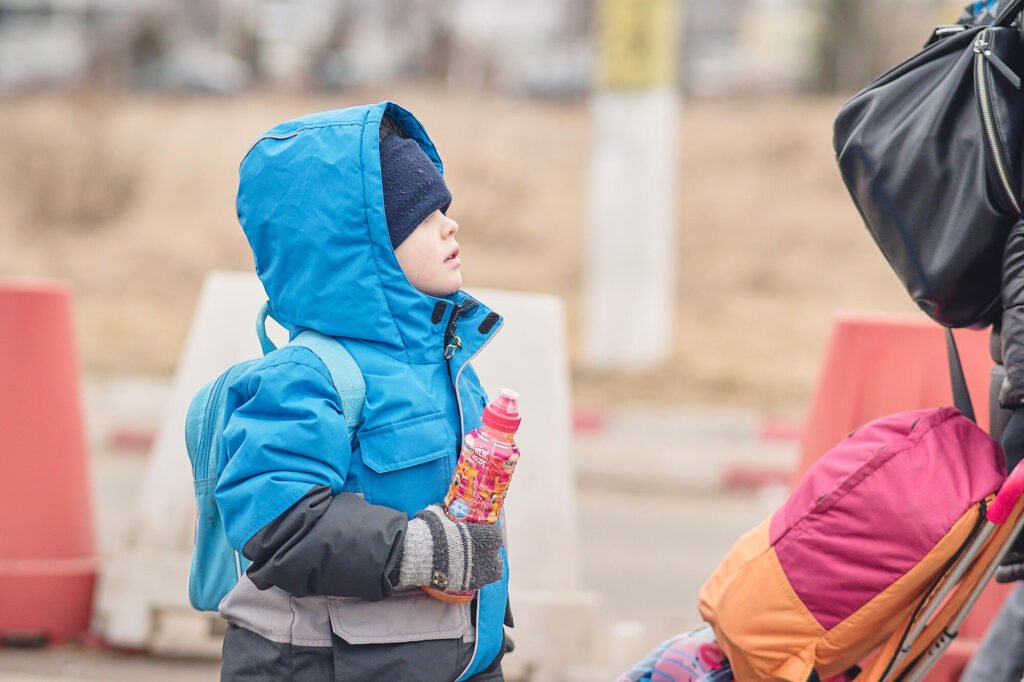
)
(636, 41)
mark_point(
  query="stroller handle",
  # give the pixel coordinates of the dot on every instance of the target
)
(1006, 498)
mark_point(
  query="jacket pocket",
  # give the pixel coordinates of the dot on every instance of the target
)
(407, 616)
(408, 462)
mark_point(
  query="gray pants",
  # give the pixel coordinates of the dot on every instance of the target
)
(1001, 655)
(247, 657)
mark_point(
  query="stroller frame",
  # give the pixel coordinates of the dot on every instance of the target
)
(918, 644)
(1006, 508)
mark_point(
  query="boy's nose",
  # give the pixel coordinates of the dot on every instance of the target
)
(453, 228)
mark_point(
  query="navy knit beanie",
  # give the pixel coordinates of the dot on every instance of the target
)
(413, 187)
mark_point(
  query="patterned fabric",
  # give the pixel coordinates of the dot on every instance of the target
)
(979, 13)
(691, 656)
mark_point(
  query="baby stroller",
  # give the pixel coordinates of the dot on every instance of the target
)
(912, 648)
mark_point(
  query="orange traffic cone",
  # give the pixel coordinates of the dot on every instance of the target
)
(876, 365)
(47, 558)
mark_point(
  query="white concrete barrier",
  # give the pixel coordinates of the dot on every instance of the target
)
(529, 354)
(559, 625)
(151, 572)
(223, 332)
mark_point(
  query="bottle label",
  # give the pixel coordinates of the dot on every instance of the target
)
(481, 479)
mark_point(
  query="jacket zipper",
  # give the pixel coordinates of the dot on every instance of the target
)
(462, 429)
(453, 343)
(983, 53)
(458, 398)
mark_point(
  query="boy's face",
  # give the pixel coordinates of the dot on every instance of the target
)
(429, 256)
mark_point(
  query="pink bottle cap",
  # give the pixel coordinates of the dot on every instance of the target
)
(502, 413)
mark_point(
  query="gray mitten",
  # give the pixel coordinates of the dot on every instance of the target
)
(449, 556)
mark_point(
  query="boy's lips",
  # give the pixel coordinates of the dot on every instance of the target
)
(454, 255)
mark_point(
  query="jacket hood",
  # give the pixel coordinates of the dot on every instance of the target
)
(311, 203)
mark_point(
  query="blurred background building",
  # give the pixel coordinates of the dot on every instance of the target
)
(112, 98)
(539, 47)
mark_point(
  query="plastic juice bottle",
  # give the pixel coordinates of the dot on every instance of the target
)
(482, 476)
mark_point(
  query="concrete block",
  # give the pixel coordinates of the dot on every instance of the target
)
(529, 354)
(556, 631)
(626, 644)
(135, 585)
(150, 572)
(185, 632)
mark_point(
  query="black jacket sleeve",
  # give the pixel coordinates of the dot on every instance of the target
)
(1011, 395)
(337, 545)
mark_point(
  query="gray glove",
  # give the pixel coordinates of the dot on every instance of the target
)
(449, 556)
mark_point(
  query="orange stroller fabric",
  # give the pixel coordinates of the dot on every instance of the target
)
(768, 634)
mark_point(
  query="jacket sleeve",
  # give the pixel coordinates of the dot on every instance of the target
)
(279, 494)
(1012, 393)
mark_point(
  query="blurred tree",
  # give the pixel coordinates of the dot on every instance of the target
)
(245, 44)
(328, 57)
(440, 44)
(579, 19)
(861, 39)
(148, 45)
(846, 59)
(149, 41)
(71, 178)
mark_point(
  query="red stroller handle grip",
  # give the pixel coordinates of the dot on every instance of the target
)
(1006, 498)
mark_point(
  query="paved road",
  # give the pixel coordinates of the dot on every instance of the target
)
(82, 665)
(649, 555)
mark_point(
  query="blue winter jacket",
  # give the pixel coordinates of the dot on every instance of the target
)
(320, 516)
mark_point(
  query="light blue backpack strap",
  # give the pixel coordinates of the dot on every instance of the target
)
(348, 380)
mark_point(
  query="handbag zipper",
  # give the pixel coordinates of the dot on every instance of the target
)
(983, 53)
(947, 30)
(944, 31)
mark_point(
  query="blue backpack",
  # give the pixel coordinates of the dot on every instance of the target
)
(216, 567)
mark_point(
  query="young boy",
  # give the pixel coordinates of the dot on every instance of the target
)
(346, 214)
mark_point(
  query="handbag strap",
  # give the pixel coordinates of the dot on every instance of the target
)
(961, 396)
(1006, 16)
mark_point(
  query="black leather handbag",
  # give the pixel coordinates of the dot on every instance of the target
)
(931, 154)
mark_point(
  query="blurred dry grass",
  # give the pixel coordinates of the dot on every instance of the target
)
(132, 200)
